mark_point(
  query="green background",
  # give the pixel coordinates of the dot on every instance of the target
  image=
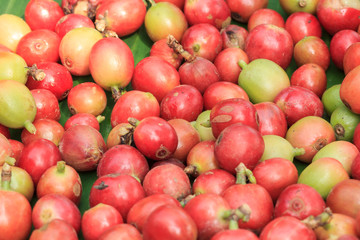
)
(140, 45)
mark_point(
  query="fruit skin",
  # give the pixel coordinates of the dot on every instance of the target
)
(56, 206)
(337, 15)
(170, 222)
(349, 87)
(57, 229)
(278, 46)
(121, 231)
(241, 10)
(311, 133)
(43, 14)
(13, 67)
(122, 17)
(98, 219)
(239, 143)
(165, 18)
(75, 48)
(18, 107)
(323, 175)
(262, 80)
(300, 201)
(82, 147)
(15, 217)
(293, 6)
(141, 210)
(13, 28)
(111, 63)
(155, 138)
(118, 190)
(344, 122)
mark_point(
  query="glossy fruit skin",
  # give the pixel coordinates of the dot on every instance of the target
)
(234, 36)
(123, 159)
(344, 122)
(258, 87)
(102, 216)
(230, 111)
(48, 129)
(16, 148)
(58, 80)
(202, 158)
(296, 6)
(312, 49)
(241, 10)
(160, 220)
(343, 151)
(179, 3)
(187, 135)
(71, 21)
(235, 234)
(278, 46)
(206, 210)
(183, 101)
(20, 182)
(168, 179)
(227, 63)
(331, 98)
(257, 198)
(350, 60)
(82, 119)
(82, 147)
(311, 76)
(213, 181)
(87, 97)
(75, 48)
(283, 173)
(60, 179)
(13, 67)
(13, 29)
(39, 46)
(161, 49)
(55, 206)
(335, 16)
(121, 231)
(298, 102)
(222, 90)
(230, 153)
(302, 24)
(356, 138)
(299, 201)
(277, 146)
(122, 17)
(14, 224)
(165, 18)
(265, 16)
(311, 133)
(106, 190)
(155, 138)
(314, 175)
(47, 105)
(17, 104)
(271, 119)
(339, 43)
(341, 227)
(214, 12)
(287, 228)
(141, 210)
(56, 229)
(111, 63)
(344, 198)
(43, 14)
(136, 104)
(348, 87)
(195, 42)
(37, 157)
(155, 75)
